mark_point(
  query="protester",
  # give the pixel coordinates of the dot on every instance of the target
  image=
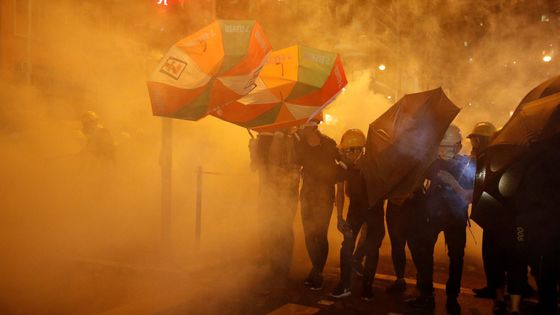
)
(318, 156)
(359, 213)
(449, 183)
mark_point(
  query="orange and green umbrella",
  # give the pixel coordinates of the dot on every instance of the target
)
(210, 68)
(295, 85)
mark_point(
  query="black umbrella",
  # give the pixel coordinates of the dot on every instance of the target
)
(515, 179)
(548, 87)
(403, 142)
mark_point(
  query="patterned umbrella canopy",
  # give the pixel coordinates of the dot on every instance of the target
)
(295, 85)
(210, 68)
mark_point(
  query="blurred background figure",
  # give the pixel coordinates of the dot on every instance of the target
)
(100, 142)
(273, 156)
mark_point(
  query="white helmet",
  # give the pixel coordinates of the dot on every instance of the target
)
(452, 136)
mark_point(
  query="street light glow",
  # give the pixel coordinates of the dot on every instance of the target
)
(547, 58)
(382, 67)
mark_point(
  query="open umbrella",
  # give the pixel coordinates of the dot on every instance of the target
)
(210, 68)
(507, 173)
(403, 142)
(537, 121)
(295, 85)
(548, 87)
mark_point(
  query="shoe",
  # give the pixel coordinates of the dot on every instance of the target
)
(484, 293)
(453, 307)
(309, 280)
(367, 292)
(340, 291)
(500, 308)
(357, 268)
(425, 302)
(398, 286)
(315, 282)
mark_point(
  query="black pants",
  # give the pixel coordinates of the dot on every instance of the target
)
(373, 218)
(398, 220)
(360, 251)
(494, 259)
(549, 282)
(316, 211)
(422, 243)
(505, 263)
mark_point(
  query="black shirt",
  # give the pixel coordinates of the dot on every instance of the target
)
(320, 168)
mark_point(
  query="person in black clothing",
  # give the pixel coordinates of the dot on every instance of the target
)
(399, 215)
(273, 156)
(359, 213)
(318, 156)
(449, 185)
(537, 223)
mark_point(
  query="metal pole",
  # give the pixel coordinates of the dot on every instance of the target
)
(399, 59)
(198, 214)
(166, 164)
(29, 25)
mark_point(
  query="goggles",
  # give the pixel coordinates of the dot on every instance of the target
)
(353, 150)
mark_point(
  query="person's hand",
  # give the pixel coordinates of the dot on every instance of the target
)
(344, 227)
(447, 178)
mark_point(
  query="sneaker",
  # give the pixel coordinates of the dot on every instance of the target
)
(367, 292)
(484, 293)
(316, 282)
(453, 307)
(500, 308)
(309, 280)
(357, 268)
(340, 291)
(425, 302)
(398, 286)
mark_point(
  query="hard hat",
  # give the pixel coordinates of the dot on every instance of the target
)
(452, 136)
(90, 117)
(483, 129)
(352, 138)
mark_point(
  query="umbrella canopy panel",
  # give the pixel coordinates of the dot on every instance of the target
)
(210, 68)
(295, 85)
(536, 120)
(548, 87)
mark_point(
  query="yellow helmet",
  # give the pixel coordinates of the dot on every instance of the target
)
(483, 129)
(352, 138)
(90, 117)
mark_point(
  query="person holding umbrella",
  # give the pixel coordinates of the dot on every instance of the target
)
(273, 156)
(449, 183)
(359, 213)
(318, 155)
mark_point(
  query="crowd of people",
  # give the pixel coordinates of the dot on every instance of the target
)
(331, 174)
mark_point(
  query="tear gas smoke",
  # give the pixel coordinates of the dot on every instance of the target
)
(80, 235)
